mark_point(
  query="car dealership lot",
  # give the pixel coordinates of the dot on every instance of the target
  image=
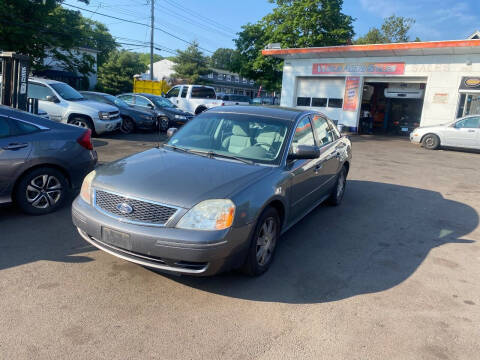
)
(392, 273)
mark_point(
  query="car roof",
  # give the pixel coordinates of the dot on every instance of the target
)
(45, 81)
(93, 93)
(283, 113)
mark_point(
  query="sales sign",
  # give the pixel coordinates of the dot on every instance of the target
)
(350, 99)
(395, 68)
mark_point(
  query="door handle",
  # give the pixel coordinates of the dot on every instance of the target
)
(14, 146)
(471, 130)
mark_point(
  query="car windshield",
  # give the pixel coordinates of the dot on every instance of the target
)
(162, 102)
(118, 102)
(67, 92)
(258, 139)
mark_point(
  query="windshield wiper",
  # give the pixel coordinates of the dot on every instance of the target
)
(210, 154)
(214, 154)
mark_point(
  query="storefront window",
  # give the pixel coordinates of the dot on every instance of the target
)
(469, 105)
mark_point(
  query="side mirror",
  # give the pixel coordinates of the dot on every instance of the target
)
(304, 152)
(52, 98)
(171, 132)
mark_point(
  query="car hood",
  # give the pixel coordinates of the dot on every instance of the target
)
(89, 105)
(176, 178)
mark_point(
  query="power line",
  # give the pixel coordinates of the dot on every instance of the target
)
(196, 14)
(137, 23)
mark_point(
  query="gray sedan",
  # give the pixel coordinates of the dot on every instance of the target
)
(219, 194)
(41, 160)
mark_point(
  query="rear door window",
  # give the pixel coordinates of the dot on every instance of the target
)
(23, 128)
(127, 98)
(184, 91)
(142, 101)
(38, 91)
(201, 92)
(323, 130)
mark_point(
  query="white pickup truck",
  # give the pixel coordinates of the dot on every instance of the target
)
(194, 98)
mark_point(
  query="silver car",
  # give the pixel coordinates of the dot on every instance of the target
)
(219, 194)
(65, 104)
(461, 133)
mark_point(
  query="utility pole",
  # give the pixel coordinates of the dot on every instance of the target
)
(152, 2)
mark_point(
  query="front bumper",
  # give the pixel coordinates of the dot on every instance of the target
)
(415, 137)
(103, 126)
(200, 253)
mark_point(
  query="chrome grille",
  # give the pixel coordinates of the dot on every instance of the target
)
(143, 212)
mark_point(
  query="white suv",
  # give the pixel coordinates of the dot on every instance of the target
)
(63, 103)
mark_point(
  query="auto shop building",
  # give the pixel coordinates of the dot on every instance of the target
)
(386, 87)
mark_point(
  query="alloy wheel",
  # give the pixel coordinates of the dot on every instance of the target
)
(43, 191)
(164, 124)
(79, 123)
(266, 241)
(127, 126)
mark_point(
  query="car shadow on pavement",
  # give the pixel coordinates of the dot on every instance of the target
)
(375, 240)
(25, 239)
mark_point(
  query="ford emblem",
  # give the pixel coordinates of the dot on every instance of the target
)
(125, 208)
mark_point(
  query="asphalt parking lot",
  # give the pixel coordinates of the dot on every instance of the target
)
(393, 273)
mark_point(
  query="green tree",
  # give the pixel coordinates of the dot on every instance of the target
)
(225, 59)
(190, 64)
(393, 30)
(145, 58)
(116, 75)
(42, 29)
(292, 23)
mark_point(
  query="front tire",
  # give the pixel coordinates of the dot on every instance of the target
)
(128, 126)
(41, 191)
(263, 243)
(338, 191)
(164, 124)
(431, 142)
(83, 123)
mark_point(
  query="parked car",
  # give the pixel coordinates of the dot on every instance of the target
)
(265, 101)
(461, 133)
(219, 194)
(65, 104)
(194, 98)
(133, 117)
(405, 125)
(234, 99)
(167, 113)
(41, 160)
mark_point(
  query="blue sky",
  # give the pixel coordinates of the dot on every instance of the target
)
(213, 23)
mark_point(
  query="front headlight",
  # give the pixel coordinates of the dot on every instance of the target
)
(86, 191)
(180, 117)
(104, 115)
(215, 214)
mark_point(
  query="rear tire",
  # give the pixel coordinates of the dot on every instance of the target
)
(338, 191)
(431, 142)
(41, 191)
(263, 243)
